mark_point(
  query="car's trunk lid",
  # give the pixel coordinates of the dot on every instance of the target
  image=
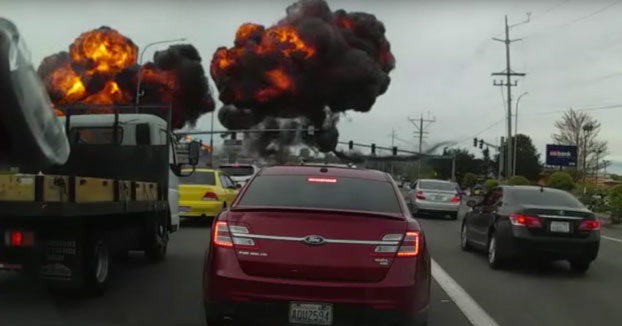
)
(558, 220)
(331, 246)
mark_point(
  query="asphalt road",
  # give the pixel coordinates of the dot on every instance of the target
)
(169, 293)
(526, 294)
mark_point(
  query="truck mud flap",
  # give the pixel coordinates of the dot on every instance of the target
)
(61, 261)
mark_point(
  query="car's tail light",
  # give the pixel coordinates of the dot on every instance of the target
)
(210, 196)
(227, 235)
(410, 245)
(589, 225)
(408, 248)
(19, 239)
(420, 195)
(526, 221)
(222, 236)
(456, 199)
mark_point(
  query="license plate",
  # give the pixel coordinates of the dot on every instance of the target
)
(184, 209)
(311, 313)
(438, 198)
(563, 227)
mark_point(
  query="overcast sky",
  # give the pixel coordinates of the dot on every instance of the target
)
(571, 51)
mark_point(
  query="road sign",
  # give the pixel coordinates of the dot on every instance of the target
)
(561, 155)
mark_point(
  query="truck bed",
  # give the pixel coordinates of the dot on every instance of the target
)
(29, 195)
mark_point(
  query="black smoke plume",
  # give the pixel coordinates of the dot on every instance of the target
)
(311, 66)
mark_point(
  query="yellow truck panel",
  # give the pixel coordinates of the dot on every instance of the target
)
(55, 188)
(17, 187)
(94, 190)
(146, 191)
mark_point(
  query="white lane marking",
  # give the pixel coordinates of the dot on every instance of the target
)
(473, 312)
(611, 239)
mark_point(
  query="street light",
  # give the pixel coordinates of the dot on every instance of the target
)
(516, 132)
(140, 62)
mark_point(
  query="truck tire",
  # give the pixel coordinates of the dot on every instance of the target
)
(157, 240)
(97, 261)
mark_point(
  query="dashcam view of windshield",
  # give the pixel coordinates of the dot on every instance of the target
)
(310, 162)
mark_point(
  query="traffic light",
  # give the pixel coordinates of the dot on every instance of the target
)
(350, 145)
(394, 150)
(373, 149)
(474, 142)
(481, 143)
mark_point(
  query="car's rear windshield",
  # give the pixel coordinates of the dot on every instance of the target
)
(435, 185)
(199, 178)
(546, 197)
(322, 193)
(238, 171)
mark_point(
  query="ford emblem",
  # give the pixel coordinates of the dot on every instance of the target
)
(314, 240)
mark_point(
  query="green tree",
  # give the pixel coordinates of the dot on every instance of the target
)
(518, 180)
(469, 180)
(615, 203)
(561, 180)
(490, 183)
(465, 162)
(527, 158)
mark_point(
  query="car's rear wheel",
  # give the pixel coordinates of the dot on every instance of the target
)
(579, 266)
(494, 261)
(464, 238)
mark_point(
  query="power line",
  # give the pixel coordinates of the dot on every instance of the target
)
(578, 19)
(420, 129)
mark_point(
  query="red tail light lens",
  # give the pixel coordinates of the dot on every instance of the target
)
(16, 238)
(420, 195)
(526, 221)
(589, 225)
(210, 196)
(227, 235)
(410, 245)
(19, 238)
(322, 180)
(222, 236)
(455, 199)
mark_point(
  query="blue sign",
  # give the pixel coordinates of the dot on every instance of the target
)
(561, 155)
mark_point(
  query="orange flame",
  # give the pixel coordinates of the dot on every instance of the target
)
(245, 31)
(286, 39)
(66, 82)
(104, 51)
(280, 83)
(110, 94)
(344, 22)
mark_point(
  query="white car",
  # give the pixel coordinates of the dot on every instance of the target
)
(240, 173)
(434, 197)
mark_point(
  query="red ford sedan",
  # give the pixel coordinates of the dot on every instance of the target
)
(317, 246)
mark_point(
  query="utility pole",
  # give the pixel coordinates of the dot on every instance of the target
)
(392, 145)
(508, 73)
(420, 130)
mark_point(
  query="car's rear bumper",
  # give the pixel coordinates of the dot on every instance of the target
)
(405, 290)
(436, 207)
(276, 313)
(199, 208)
(521, 243)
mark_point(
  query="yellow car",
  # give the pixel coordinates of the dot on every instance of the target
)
(205, 193)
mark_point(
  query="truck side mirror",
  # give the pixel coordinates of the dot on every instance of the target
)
(186, 156)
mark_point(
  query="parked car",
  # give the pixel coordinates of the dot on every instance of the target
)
(436, 197)
(317, 246)
(205, 193)
(240, 173)
(532, 222)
